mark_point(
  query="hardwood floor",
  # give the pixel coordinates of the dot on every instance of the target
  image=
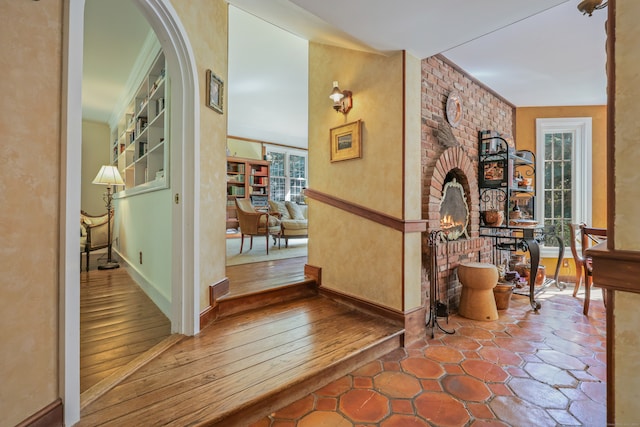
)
(246, 365)
(249, 278)
(118, 323)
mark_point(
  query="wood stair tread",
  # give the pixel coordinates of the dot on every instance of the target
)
(241, 364)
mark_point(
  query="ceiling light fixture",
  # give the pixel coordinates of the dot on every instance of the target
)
(342, 101)
(588, 6)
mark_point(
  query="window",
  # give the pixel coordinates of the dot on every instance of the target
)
(563, 148)
(288, 173)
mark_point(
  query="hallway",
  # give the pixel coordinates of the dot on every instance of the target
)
(525, 369)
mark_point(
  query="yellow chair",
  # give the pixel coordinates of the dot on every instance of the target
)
(255, 223)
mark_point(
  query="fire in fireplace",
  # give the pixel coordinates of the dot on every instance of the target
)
(454, 212)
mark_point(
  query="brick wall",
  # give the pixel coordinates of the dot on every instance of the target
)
(481, 109)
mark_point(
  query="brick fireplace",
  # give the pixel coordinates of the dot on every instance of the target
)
(452, 153)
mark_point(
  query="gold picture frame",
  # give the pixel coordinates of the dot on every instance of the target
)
(346, 141)
(215, 94)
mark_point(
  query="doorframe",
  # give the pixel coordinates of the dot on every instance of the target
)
(185, 148)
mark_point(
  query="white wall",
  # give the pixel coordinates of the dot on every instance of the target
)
(268, 82)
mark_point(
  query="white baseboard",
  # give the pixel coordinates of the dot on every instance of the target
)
(158, 299)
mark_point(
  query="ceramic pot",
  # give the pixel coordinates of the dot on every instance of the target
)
(493, 218)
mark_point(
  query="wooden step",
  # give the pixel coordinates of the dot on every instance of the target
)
(233, 304)
(244, 366)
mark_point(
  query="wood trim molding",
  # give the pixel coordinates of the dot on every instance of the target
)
(614, 269)
(392, 315)
(404, 226)
(50, 415)
(210, 313)
(313, 272)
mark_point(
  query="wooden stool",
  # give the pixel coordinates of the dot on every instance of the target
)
(478, 280)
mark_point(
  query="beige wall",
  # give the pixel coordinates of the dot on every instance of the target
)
(206, 24)
(95, 153)
(626, 340)
(30, 61)
(359, 257)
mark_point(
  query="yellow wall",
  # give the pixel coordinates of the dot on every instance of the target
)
(359, 257)
(626, 339)
(206, 24)
(95, 153)
(526, 140)
(245, 149)
(30, 65)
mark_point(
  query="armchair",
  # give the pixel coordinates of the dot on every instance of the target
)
(254, 223)
(93, 233)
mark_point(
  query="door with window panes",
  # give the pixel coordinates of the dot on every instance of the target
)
(288, 174)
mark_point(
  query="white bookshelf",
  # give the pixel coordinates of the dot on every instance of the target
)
(140, 148)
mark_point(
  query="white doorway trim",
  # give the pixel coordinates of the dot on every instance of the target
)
(185, 146)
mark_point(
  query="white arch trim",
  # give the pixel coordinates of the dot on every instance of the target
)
(185, 147)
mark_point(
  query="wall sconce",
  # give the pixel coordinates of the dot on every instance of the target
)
(342, 101)
(588, 6)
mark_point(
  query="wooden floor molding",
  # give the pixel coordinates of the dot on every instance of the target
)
(125, 371)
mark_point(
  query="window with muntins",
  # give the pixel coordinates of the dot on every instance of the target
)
(288, 173)
(564, 187)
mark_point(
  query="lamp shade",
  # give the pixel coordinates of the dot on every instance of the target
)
(108, 175)
(336, 94)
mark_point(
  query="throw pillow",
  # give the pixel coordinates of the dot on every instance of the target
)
(280, 208)
(294, 210)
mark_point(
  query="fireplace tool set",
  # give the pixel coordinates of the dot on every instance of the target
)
(436, 307)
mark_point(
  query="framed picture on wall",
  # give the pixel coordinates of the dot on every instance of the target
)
(215, 88)
(346, 141)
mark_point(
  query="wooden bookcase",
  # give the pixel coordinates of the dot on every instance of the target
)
(140, 146)
(244, 178)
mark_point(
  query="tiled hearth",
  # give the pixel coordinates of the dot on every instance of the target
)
(525, 369)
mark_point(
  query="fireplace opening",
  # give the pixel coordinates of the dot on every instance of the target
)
(454, 211)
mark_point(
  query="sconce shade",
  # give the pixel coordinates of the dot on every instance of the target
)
(108, 175)
(342, 101)
(336, 94)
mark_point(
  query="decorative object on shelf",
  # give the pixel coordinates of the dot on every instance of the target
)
(492, 217)
(342, 100)
(454, 109)
(493, 174)
(588, 6)
(215, 93)
(109, 176)
(346, 141)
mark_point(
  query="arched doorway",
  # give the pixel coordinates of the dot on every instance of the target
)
(185, 118)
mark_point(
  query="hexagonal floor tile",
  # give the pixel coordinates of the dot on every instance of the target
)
(550, 374)
(441, 409)
(484, 370)
(422, 368)
(443, 354)
(404, 421)
(517, 412)
(466, 388)
(397, 384)
(366, 406)
(538, 393)
(324, 419)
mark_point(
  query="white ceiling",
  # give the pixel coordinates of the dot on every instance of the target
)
(532, 52)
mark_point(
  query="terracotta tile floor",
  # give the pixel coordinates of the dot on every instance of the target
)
(525, 369)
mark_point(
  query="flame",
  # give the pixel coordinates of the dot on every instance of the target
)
(447, 222)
